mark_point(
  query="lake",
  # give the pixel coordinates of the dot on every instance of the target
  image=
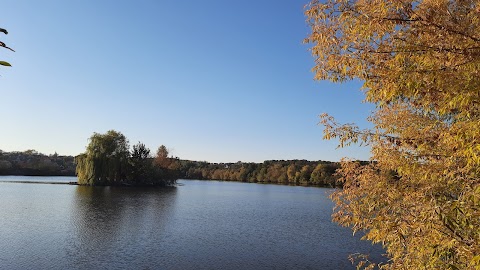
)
(196, 225)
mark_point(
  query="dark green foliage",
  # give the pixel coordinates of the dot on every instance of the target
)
(140, 164)
(31, 162)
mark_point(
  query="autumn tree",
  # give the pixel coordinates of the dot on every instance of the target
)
(162, 159)
(322, 175)
(420, 65)
(304, 175)
(291, 172)
(166, 167)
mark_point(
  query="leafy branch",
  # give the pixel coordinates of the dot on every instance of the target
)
(2, 44)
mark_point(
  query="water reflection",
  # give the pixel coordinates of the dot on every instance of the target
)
(114, 223)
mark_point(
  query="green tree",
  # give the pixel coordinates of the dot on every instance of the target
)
(105, 161)
(420, 64)
(140, 164)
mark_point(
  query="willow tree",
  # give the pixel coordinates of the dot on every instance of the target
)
(420, 65)
(105, 161)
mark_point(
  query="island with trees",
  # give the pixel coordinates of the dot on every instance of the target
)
(108, 160)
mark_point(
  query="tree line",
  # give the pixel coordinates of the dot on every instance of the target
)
(292, 172)
(33, 163)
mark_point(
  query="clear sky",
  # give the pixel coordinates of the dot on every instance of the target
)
(214, 80)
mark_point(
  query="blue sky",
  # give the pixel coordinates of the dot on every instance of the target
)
(214, 80)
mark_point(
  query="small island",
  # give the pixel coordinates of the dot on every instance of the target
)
(108, 161)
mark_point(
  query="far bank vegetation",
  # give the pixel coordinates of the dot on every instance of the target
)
(290, 172)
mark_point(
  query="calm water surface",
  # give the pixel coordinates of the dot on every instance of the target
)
(197, 225)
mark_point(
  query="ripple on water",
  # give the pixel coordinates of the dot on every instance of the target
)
(199, 225)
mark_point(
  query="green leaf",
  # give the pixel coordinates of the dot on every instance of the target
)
(3, 63)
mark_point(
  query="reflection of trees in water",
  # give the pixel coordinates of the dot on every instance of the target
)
(117, 221)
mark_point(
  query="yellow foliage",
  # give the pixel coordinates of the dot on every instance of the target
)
(420, 64)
